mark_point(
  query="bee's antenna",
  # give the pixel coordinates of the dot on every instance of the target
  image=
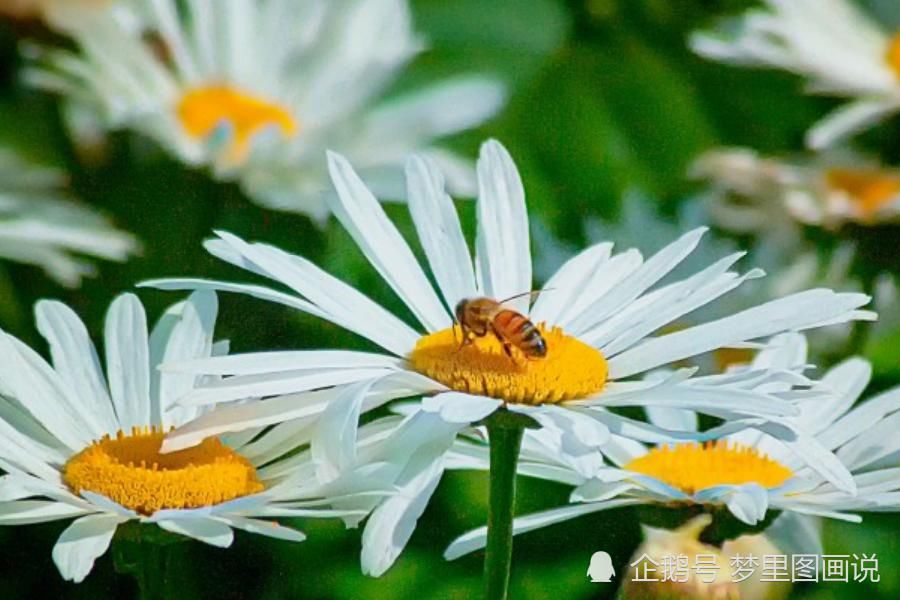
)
(532, 294)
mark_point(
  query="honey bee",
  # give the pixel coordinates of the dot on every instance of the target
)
(479, 316)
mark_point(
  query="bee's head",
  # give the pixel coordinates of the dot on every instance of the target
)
(460, 310)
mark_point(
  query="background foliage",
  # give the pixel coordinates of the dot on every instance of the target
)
(606, 98)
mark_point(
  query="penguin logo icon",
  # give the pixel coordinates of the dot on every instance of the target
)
(601, 569)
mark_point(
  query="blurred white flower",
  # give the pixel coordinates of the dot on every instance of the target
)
(747, 473)
(40, 226)
(766, 196)
(839, 50)
(78, 444)
(257, 91)
(47, 9)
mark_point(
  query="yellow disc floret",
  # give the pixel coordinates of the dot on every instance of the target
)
(892, 54)
(571, 369)
(869, 189)
(203, 109)
(130, 470)
(691, 467)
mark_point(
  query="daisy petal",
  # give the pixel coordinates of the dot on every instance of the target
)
(246, 416)
(569, 282)
(366, 222)
(477, 538)
(457, 407)
(31, 381)
(649, 273)
(254, 291)
(391, 524)
(184, 332)
(340, 303)
(259, 363)
(849, 120)
(26, 512)
(75, 360)
(82, 543)
(846, 382)
(128, 361)
(795, 312)
(748, 502)
(267, 528)
(439, 230)
(502, 240)
(333, 443)
(286, 382)
(207, 530)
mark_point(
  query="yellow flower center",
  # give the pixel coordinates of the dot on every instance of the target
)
(691, 467)
(130, 470)
(571, 369)
(893, 54)
(203, 109)
(731, 357)
(870, 189)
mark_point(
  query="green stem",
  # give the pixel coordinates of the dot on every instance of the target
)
(144, 552)
(505, 437)
(153, 571)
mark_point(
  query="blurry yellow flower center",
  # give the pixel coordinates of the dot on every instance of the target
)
(725, 358)
(130, 470)
(893, 54)
(691, 467)
(869, 189)
(571, 369)
(202, 110)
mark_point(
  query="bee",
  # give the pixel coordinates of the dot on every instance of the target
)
(479, 316)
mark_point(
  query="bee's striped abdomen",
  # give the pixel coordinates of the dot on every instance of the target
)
(521, 333)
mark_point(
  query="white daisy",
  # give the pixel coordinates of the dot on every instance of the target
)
(76, 444)
(752, 194)
(840, 51)
(40, 226)
(748, 473)
(257, 90)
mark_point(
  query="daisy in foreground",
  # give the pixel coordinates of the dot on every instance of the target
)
(39, 226)
(839, 49)
(749, 473)
(254, 90)
(76, 444)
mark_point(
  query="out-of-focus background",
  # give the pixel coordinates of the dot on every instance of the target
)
(607, 103)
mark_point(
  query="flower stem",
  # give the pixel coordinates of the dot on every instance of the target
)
(144, 553)
(505, 437)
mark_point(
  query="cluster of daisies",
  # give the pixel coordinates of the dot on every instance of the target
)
(171, 430)
(254, 92)
(176, 432)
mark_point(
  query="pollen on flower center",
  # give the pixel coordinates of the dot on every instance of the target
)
(691, 467)
(892, 55)
(571, 369)
(201, 110)
(870, 189)
(130, 470)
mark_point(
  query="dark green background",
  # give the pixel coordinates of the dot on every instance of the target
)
(605, 98)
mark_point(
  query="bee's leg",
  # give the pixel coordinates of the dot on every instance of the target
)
(466, 340)
(508, 350)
